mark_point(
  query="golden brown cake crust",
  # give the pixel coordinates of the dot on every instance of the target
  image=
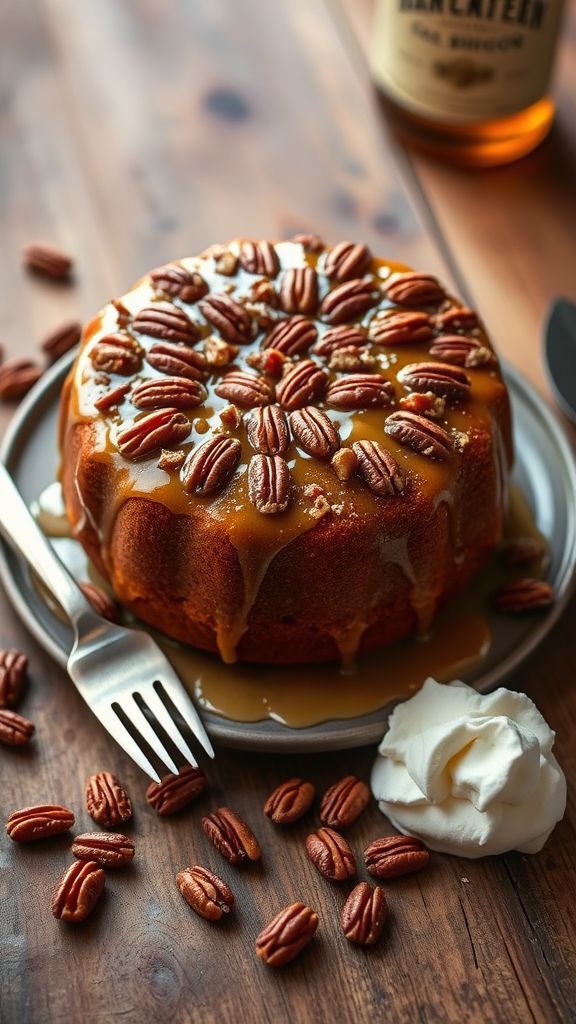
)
(283, 561)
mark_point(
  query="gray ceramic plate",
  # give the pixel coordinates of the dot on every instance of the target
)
(544, 471)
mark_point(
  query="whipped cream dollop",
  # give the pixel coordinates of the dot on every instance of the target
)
(470, 774)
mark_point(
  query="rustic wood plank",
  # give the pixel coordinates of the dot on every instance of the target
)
(136, 132)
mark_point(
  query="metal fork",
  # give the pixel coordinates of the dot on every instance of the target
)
(121, 673)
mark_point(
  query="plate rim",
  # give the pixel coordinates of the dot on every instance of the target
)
(339, 734)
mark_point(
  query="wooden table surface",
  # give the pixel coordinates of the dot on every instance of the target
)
(133, 132)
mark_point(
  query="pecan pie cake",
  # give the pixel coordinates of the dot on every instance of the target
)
(286, 452)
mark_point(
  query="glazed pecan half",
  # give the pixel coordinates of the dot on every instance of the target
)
(107, 802)
(245, 389)
(400, 327)
(414, 289)
(364, 914)
(331, 855)
(15, 730)
(61, 339)
(525, 595)
(112, 399)
(299, 290)
(211, 466)
(462, 350)
(348, 301)
(267, 430)
(207, 894)
(337, 338)
(378, 468)
(228, 317)
(289, 801)
(174, 392)
(314, 432)
(420, 434)
(231, 836)
(117, 353)
(38, 822)
(286, 935)
(109, 849)
(311, 243)
(360, 391)
(259, 258)
(159, 429)
(47, 259)
(344, 802)
(456, 319)
(179, 283)
(166, 322)
(78, 891)
(269, 483)
(347, 260)
(291, 336)
(392, 856)
(178, 361)
(13, 666)
(303, 383)
(439, 378)
(174, 792)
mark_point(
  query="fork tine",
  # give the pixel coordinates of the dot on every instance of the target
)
(118, 731)
(141, 724)
(184, 705)
(155, 705)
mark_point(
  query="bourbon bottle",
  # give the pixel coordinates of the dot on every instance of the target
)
(468, 80)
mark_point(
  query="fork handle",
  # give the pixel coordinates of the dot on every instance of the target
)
(19, 528)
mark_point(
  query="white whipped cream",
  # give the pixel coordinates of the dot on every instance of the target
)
(470, 774)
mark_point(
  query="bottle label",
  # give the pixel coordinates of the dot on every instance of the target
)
(462, 61)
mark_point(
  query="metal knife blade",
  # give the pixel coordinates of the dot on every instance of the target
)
(560, 354)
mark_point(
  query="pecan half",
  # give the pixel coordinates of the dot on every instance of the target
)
(346, 260)
(456, 319)
(311, 243)
(360, 391)
(47, 259)
(348, 301)
(13, 666)
(231, 836)
(245, 389)
(15, 730)
(175, 792)
(517, 553)
(331, 855)
(286, 935)
(292, 336)
(117, 353)
(207, 894)
(267, 430)
(102, 604)
(109, 849)
(38, 822)
(400, 327)
(17, 376)
(392, 856)
(459, 349)
(364, 914)
(178, 361)
(526, 595)
(314, 432)
(269, 483)
(175, 392)
(179, 283)
(112, 399)
(337, 338)
(166, 322)
(228, 317)
(61, 339)
(78, 891)
(301, 385)
(299, 290)
(107, 802)
(419, 434)
(439, 378)
(211, 466)
(289, 801)
(344, 802)
(414, 289)
(378, 468)
(259, 258)
(344, 464)
(159, 429)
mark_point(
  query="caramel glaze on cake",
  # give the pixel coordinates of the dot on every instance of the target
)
(286, 453)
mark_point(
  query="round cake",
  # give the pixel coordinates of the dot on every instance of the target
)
(286, 452)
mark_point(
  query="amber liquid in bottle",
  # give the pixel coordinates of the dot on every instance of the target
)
(467, 80)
